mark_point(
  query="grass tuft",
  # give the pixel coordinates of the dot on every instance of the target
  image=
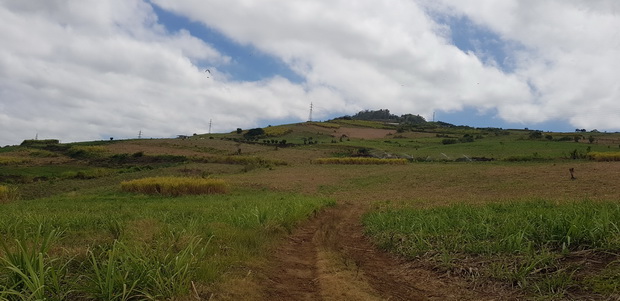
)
(8, 194)
(28, 272)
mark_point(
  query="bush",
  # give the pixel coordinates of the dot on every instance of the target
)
(174, 186)
(39, 143)
(536, 135)
(254, 134)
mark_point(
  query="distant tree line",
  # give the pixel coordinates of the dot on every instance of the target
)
(386, 116)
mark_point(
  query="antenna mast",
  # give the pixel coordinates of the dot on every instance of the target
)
(310, 116)
(210, 122)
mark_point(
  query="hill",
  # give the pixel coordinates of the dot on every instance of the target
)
(345, 209)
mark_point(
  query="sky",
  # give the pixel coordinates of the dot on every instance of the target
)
(83, 70)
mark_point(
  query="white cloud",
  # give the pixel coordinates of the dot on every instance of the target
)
(81, 70)
(570, 56)
(374, 54)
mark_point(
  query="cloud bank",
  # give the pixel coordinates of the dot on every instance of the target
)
(88, 70)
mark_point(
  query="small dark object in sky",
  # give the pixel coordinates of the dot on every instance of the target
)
(207, 70)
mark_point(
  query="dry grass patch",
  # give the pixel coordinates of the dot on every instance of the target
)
(175, 186)
(12, 160)
(604, 156)
(7, 194)
(360, 161)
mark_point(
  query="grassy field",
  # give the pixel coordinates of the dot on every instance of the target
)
(89, 246)
(492, 205)
(528, 244)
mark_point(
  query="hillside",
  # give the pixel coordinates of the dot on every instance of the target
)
(344, 209)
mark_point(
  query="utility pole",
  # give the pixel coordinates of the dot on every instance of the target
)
(210, 122)
(140, 134)
(310, 116)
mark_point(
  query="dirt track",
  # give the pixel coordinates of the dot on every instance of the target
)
(329, 259)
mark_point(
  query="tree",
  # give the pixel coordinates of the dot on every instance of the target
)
(254, 134)
(536, 135)
(239, 130)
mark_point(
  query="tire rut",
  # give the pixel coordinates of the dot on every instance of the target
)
(329, 258)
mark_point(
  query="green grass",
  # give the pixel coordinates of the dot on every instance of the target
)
(523, 241)
(514, 147)
(118, 246)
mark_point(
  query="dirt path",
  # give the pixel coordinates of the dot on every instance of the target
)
(330, 259)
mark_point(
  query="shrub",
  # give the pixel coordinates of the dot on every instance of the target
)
(175, 186)
(254, 134)
(536, 135)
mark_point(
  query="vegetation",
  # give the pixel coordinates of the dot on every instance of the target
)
(524, 242)
(360, 161)
(604, 156)
(276, 131)
(115, 246)
(173, 186)
(13, 160)
(8, 194)
(156, 219)
(39, 143)
(386, 116)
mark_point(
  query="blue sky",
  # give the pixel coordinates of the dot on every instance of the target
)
(249, 63)
(91, 69)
